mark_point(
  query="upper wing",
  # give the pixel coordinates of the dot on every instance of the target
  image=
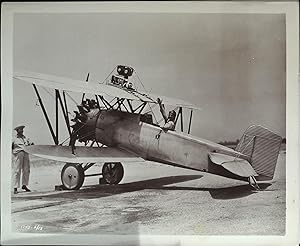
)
(67, 84)
(174, 101)
(83, 154)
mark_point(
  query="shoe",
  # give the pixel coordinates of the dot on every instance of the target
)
(15, 191)
(24, 187)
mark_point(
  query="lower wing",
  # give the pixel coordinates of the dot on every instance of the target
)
(83, 154)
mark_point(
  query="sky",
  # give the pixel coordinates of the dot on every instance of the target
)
(231, 65)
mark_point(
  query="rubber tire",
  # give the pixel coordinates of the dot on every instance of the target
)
(80, 173)
(118, 175)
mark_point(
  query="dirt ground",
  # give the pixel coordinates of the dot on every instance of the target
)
(151, 199)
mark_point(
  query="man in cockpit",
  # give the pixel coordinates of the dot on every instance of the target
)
(170, 120)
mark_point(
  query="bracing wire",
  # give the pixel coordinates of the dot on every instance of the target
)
(140, 81)
(65, 92)
(152, 113)
(108, 76)
(242, 150)
(73, 100)
(146, 93)
(86, 135)
(72, 134)
(47, 92)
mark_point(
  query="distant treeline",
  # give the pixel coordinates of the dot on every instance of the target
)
(229, 143)
(235, 143)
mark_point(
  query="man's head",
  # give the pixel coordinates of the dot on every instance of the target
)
(19, 130)
(172, 115)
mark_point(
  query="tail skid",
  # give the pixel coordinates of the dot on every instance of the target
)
(253, 183)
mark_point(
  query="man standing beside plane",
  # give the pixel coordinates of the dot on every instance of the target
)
(21, 160)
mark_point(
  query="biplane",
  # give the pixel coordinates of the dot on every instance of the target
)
(118, 125)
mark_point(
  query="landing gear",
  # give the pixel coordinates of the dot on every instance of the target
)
(112, 173)
(72, 176)
(253, 183)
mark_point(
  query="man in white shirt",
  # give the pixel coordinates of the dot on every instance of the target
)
(169, 121)
(21, 160)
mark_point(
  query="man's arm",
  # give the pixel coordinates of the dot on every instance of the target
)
(162, 109)
(169, 126)
(13, 143)
(29, 142)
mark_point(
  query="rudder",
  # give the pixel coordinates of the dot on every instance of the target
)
(262, 147)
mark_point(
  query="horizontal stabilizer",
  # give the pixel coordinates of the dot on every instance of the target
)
(233, 164)
(83, 154)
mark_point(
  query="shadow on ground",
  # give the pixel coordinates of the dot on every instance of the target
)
(97, 191)
(222, 193)
(236, 192)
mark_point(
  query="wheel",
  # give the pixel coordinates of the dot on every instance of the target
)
(72, 176)
(112, 172)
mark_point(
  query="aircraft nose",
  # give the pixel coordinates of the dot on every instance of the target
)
(82, 129)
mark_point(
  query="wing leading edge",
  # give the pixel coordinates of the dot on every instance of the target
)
(67, 84)
(83, 154)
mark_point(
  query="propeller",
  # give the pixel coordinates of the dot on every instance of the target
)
(81, 132)
(86, 80)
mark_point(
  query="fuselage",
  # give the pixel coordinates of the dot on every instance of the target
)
(127, 131)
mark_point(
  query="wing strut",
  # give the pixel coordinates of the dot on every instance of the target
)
(64, 111)
(56, 114)
(181, 117)
(55, 138)
(83, 95)
(105, 102)
(180, 114)
(190, 121)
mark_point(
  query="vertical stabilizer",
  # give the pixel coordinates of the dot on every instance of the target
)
(262, 146)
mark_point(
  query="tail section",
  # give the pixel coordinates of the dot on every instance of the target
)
(262, 147)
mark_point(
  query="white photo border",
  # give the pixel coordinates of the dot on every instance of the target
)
(289, 8)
